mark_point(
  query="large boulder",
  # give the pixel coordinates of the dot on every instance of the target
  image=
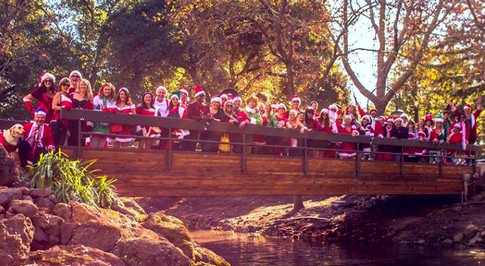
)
(16, 235)
(173, 230)
(121, 235)
(145, 251)
(9, 172)
(74, 255)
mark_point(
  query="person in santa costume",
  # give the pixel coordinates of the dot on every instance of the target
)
(124, 105)
(61, 100)
(43, 93)
(37, 139)
(184, 98)
(146, 108)
(177, 111)
(470, 119)
(75, 77)
(82, 98)
(348, 149)
(455, 137)
(161, 102)
(328, 126)
(196, 110)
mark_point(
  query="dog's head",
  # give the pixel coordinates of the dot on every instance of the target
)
(17, 131)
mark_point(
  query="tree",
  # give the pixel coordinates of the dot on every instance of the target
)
(394, 25)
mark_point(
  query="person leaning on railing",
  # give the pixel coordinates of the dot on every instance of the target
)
(123, 105)
(328, 126)
(106, 97)
(250, 115)
(177, 111)
(146, 108)
(61, 100)
(347, 149)
(82, 98)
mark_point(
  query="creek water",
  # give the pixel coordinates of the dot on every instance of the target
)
(248, 249)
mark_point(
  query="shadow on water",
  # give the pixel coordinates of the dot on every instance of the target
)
(248, 249)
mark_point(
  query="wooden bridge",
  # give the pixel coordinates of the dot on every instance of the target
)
(195, 173)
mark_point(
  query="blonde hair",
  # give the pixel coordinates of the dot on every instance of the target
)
(89, 92)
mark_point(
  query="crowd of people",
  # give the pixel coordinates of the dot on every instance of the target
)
(453, 125)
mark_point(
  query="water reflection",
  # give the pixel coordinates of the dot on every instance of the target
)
(246, 249)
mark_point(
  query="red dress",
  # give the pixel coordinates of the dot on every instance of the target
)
(347, 149)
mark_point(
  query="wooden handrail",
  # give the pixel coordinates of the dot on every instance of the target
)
(97, 116)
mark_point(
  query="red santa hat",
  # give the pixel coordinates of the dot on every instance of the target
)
(282, 106)
(467, 106)
(161, 88)
(366, 117)
(216, 99)
(184, 90)
(390, 120)
(421, 134)
(398, 119)
(48, 76)
(457, 126)
(198, 91)
(295, 98)
(77, 73)
(224, 96)
(237, 98)
(324, 110)
(404, 116)
(174, 95)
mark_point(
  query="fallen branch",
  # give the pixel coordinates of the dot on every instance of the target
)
(302, 218)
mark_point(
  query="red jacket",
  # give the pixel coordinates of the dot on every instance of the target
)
(46, 137)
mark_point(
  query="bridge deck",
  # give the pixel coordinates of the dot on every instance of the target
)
(148, 173)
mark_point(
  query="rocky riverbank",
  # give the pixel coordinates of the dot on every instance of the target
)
(408, 220)
(36, 229)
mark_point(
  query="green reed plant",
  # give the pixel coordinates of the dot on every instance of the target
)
(72, 180)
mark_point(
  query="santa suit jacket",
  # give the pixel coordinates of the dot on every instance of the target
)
(471, 125)
(46, 137)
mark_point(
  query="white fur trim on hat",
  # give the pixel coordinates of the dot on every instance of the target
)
(184, 91)
(282, 106)
(161, 88)
(48, 76)
(76, 72)
(237, 98)
(40, 112)
(324, 110)
(390, 120)
(398, 119)
(123, 89)
(216, 99)
(438, 120)
(224, 96)
(366, 117)
(174, 96)
(404, 115)
(296, 99)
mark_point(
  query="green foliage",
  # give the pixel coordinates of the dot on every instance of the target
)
(72, 180)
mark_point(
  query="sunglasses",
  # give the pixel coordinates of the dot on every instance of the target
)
(75, 76)
(227, 105)
(65, 85)
(48, 80)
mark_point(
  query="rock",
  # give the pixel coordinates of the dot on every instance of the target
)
(63, 210)
(40, 238)
(474, 240)
(131, 208)
(145, 251)
(421, 241)
(41, 221)
(25, 207)
(208, 256)
(9, 172)
(470, 231)
(27, 197)
(40, 192)
(54, 227)
(9, 194)
(457, 237)
(25, 190)
(457, 208)
(172, 229)
(16, 234)
(447, 241)
(44, 203)
(96, 235)
(67, 230)
(74, 255)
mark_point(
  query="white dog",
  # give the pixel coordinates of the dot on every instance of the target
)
(10, 138)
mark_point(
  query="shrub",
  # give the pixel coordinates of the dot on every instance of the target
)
(72, 180)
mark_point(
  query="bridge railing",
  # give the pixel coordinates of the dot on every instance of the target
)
(219, 127)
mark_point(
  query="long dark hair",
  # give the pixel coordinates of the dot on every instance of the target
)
(143, 104)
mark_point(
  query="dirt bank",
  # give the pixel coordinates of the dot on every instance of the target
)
(422, 220)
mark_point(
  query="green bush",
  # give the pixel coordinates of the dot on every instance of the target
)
(72, 180)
